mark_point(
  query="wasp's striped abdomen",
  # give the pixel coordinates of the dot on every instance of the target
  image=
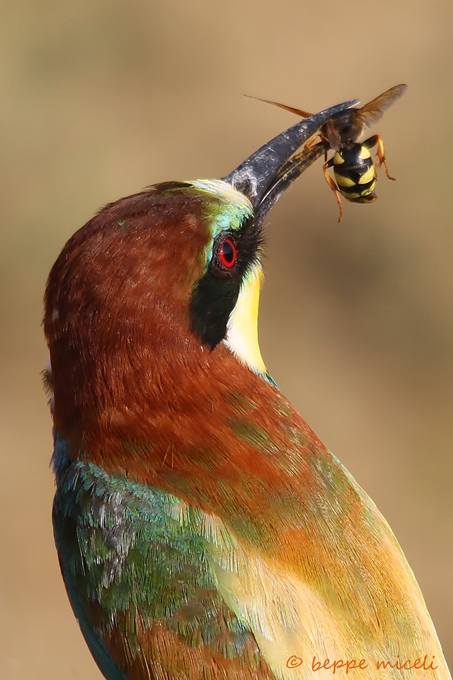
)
(355, 173)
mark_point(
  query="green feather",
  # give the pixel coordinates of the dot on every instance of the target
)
(135, 553)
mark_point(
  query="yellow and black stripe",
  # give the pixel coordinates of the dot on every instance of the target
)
(355, 173)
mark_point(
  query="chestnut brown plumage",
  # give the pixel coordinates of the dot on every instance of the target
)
(203, 530)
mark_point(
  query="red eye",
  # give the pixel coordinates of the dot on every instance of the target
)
(228, 254)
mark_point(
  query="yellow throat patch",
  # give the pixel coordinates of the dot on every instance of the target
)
(242, 329)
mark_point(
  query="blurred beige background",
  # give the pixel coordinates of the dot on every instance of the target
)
(101, 98)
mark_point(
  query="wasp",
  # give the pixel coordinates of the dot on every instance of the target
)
(354, 170)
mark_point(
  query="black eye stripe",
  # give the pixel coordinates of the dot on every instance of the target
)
(216, 293)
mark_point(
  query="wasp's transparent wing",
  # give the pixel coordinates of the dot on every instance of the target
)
(374, 110)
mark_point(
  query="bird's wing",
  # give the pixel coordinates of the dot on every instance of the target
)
(301, 608)
(134, 565)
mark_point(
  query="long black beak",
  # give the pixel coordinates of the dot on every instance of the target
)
(269, 171)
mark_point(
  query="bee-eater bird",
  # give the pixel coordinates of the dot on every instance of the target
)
(203, 530)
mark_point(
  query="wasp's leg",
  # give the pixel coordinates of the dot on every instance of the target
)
(315, 137)
(311, 141)
(377, 140)
(333, 186)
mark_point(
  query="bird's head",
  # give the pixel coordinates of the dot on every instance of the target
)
(164, 279)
